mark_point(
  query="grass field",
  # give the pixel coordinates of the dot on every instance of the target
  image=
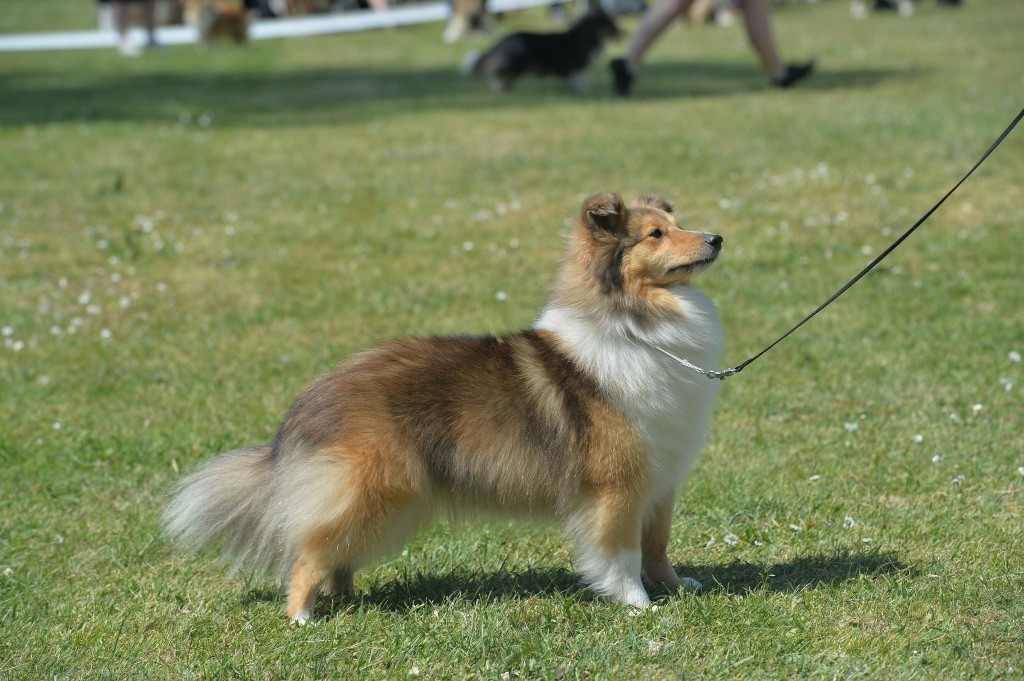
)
(187, 239)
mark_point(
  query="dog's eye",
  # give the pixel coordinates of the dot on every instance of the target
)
(657, 234)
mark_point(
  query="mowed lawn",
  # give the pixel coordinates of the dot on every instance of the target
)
(189, 238)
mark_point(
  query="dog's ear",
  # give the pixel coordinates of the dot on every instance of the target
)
(605, 212)
(654, 201)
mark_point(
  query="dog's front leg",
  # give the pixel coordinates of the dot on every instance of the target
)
(605, 529)
(657, 528)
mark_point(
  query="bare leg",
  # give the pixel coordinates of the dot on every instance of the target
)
(654, 21)
(149, 12)
(119, 12)
(759, 31)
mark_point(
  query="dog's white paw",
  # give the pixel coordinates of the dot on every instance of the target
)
(302, 617)
(690, 584)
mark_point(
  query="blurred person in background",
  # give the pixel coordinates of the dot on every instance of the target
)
(759, 31)
(119, 10)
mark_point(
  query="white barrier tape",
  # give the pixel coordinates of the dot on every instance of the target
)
(296, 27)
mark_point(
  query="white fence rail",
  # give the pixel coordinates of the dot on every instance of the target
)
(296, 27)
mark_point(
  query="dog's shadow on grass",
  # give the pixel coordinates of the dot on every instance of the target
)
(735, 578)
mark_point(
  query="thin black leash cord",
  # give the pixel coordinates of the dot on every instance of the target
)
(725, 373)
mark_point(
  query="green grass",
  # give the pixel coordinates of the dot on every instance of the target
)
(243, 219)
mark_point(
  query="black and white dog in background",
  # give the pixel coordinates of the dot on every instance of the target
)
(568, 55)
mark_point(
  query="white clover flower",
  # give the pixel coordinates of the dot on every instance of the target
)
(814, 478)
(106, 334)
(84, 298)
(918, 438)
(1020, 470)
(161, 286)
(8, 572)
(954, 417)
(93, 309)
(57, 426)
(849, 523)
(1006, 383)
(501, 296)
(414, 671)
(977, 407)
(937, 458)
(958, 480)
(1013, 356)
(851, 426)
(18, 346)
(467, 246)
(796, 528)
(731, 539)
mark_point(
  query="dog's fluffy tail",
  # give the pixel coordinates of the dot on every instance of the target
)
(469, 63)
(258, 505)
(229, 503)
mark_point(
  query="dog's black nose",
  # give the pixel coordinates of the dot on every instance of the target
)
(713, 240)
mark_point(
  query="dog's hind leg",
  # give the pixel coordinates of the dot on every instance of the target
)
(340, 583)
(309, 573)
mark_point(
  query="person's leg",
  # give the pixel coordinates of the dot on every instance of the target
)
(150, 17)
(654, 21)
(759, 32)
(119, 13)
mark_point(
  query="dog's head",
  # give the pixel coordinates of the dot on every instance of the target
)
(599, 23)
(638, 249)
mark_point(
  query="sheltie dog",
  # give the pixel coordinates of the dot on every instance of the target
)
(581, 419)
(567, 55)
(216, 19)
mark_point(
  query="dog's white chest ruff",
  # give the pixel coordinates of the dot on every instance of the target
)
(671, 406)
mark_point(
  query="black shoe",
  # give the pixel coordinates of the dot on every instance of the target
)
(794, 74)
(623, 78)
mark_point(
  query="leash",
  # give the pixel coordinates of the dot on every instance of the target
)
(726, 373)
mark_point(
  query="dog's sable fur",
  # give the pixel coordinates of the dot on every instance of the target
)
(579, 419)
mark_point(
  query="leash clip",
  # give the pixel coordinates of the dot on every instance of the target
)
(721, 375)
